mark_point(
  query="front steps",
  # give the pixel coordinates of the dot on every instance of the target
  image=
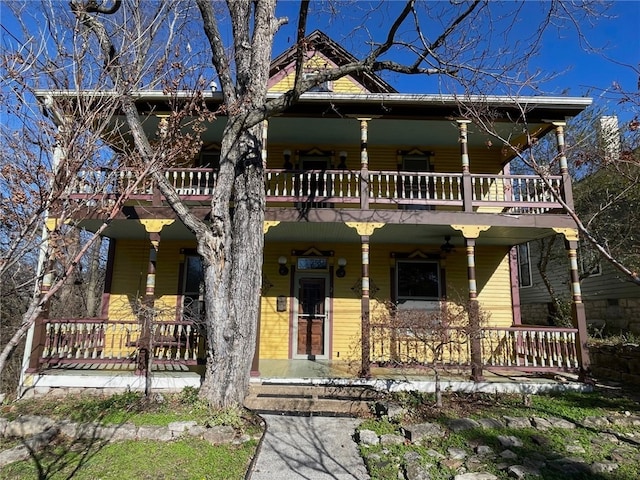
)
(292, 399)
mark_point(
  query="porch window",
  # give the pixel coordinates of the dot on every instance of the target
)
(193, 293)
(313, 263)
(524, 265)
(418, 280)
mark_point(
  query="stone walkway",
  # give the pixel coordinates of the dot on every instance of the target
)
(310, 448)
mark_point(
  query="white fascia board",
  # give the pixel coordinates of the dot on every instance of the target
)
(400, 98)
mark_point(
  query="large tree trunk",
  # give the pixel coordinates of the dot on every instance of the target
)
(233, 268)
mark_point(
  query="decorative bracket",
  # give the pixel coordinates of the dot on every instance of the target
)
(471, 231)
(267, 224)
(155, 225)
(570, 234)
(364, 228)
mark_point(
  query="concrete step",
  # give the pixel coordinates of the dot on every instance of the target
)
(310, 399)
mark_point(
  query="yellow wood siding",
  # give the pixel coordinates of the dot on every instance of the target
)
(445, 159)
(317, 62)
(494, 292)
(128, 287)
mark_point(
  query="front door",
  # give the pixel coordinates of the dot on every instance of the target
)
(311, 318)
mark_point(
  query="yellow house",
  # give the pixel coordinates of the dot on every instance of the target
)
(380, 206)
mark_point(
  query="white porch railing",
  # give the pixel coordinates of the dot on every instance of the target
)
(506, 193)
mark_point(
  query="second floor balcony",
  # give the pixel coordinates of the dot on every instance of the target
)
(333, 188)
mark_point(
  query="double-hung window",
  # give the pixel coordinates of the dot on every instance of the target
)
(418, 280)
(524, 265)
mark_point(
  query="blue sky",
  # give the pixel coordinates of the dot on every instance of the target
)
(580, 72)
(616, 38)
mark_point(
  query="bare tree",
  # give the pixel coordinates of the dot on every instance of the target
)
(41, 162)
(604, 215)
(439, 339)
(452, 41)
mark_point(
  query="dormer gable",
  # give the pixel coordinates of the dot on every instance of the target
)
(323, 53)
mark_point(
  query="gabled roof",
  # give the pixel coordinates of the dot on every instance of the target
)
(322, 44)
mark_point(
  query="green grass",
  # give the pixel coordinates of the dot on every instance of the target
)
(184, 459)
(187, 458)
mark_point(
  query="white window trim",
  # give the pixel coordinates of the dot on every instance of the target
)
(528, 262)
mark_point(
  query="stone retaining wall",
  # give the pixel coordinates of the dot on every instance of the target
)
(37, 432)
(620, 363)
(612, 316)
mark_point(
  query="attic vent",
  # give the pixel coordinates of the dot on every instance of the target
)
(321, 87)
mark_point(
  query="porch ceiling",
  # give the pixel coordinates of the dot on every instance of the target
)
(381, 131)
(338, 232)
(400, 234)
(345, 131)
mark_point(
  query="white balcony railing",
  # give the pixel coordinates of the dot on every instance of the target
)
(506, 193)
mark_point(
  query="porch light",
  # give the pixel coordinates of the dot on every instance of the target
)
(341, 272)
(287, 159)
(283, 270)
(447, 247)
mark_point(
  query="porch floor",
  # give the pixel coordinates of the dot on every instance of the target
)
(318, 372)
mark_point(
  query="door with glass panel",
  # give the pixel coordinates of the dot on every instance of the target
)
(311, 316)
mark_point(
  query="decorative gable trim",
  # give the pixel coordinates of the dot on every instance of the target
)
(320, 44)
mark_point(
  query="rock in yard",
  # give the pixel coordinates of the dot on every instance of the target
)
(575, 449)
(561, 423)
(452, 463)
(521, 471)
(517, 422)
(490, 423)
(179, 427)
(461, 424)
(415, 471)
(603, 467)
(391, 439)
(595, 422)
(484, 450)
(423, 431)
(151, 432)
(27, 426)
(508, 455)
(540, 423)
(434, 454)
(368, 437)
(456, 453)
(509, 441)
(219, 434)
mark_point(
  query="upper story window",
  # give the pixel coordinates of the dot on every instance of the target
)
(208, 159)
(524, 265)
(321, 87)
(416, 188)
(418, 280)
